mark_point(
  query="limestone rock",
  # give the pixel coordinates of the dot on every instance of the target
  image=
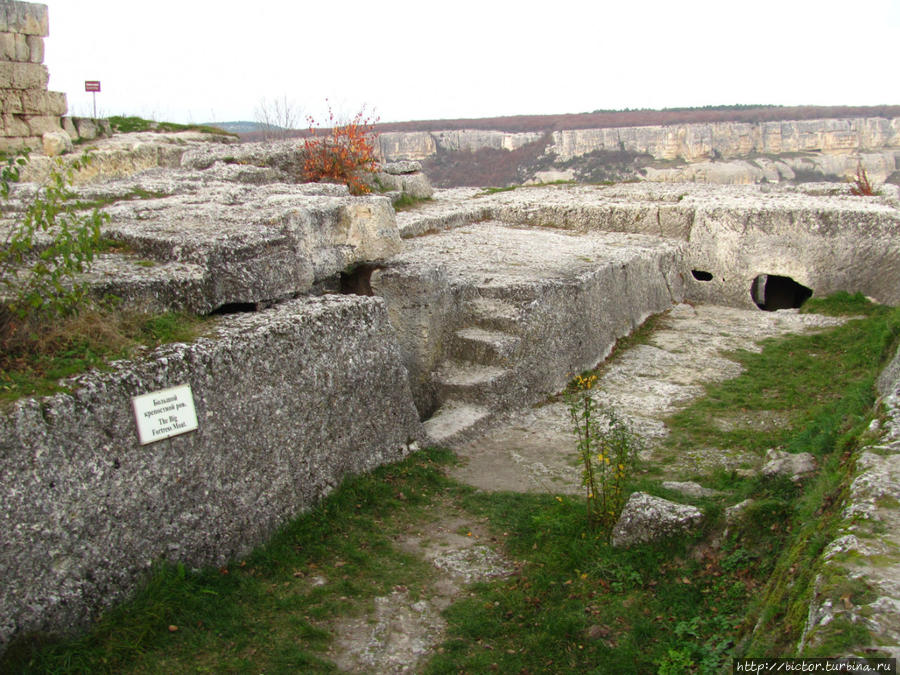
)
(402, 167)
(23, 75)
(412, 184)
(56, 143)
(27, 18)
(646, 518)
(289, 402)
(733, 513)
(793, 465)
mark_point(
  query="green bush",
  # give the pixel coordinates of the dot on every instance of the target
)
(608, 451)
(47, 247)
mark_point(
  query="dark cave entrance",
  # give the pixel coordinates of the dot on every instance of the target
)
(357, 280)
(771, 292)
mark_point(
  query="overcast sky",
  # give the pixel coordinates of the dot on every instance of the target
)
(203, 61)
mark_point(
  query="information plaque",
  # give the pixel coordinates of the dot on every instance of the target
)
(163, 414)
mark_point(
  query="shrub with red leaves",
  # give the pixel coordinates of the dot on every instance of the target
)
(341, 153)
(861, 186)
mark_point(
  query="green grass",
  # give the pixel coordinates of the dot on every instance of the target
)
(406, 202)
(574, 604)
(126, 124)
(41, 353)
(134, 194)
(813, 381)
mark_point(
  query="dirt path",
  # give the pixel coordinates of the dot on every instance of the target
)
(532, 450)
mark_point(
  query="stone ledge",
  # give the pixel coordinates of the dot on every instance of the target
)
(289, 401)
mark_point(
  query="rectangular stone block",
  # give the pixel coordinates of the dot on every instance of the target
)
(7, 46)
(9, 145)
(14, 125)
(40, 125)
(39, 102)
(23, 75)
(35, 48)
(69, 127)
(28, 18)
(22, 52)
(11, 101)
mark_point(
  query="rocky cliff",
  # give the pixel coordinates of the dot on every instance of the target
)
(721, 152)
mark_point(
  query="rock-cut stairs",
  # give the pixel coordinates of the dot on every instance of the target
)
(477, 376)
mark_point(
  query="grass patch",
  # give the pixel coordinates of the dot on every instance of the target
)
(815, 382)
(36, 355)
(127, 124)
(132, 195)
(407, 202)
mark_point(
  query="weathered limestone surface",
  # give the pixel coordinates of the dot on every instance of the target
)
(723, 153)
(819, 235)
(418, 145)
(204, 239)
(646, 518)
(690, 142)
(506, 313)
(775, 169)
(289, 401)
(866, 554)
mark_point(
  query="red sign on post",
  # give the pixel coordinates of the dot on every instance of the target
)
(92, 85)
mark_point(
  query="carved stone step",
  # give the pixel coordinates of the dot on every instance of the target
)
(494, 314)
(471, 382)
(453, 420)
(489, 347)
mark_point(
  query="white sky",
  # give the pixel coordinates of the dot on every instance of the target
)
(201, 61)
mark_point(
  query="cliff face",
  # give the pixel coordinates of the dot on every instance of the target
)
(729, 152)
(419, 145)
(694, 142)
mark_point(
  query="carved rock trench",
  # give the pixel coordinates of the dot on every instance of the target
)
(531, 451)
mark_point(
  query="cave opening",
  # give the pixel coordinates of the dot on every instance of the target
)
(357, 281)
(771, 292)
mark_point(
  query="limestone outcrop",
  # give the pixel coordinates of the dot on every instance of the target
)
(27, 109)
(200, 240)
(817, 235)
(288, 401)
(723, 153)
(418, 145)
(493, 315)
(646, 518)
(693, 142)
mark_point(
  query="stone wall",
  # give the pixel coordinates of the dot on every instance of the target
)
(28, 109)
(289, 401)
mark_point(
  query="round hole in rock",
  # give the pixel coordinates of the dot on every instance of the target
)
(771, 292)
(700, 275)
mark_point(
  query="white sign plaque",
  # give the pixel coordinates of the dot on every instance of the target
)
(163, 414)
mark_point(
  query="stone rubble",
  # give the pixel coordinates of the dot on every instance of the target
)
(795, 466)
(646, 519)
